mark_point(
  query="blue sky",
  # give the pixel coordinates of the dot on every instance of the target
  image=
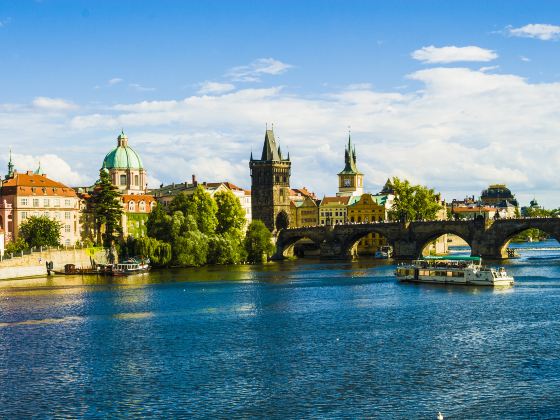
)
(454, 95)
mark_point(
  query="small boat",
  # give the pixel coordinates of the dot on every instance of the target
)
(453, 270)
(384, 252)
(131, 266)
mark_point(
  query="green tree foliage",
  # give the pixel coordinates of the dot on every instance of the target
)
(258, 242)
(40, 231)
(199, 229)
(15, 247)
(107, 209)
(159, 252)
(413, 202)
(203, 208)
(230, 214)
(191, 249)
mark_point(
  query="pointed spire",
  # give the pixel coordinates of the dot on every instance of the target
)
(38, 171)
(270, 149)
(279, 153)
(10, 166)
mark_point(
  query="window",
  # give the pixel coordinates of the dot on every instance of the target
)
(46, 202)
(56, 202)
(135, 179)
(67, 242)
(35, 202)
(24, 201)
(142, 206)
(123, 179)
(67, 228)
(131, 206)
(67, 203)
(23, 215)
(152, 205)
(67, 215)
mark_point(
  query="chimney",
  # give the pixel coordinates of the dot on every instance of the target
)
(194, 180)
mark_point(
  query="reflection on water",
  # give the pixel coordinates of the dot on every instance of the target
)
(296, 339)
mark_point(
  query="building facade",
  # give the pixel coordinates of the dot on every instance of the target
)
(23, 195)
(332, 210)
(369, 209)
(270, 185)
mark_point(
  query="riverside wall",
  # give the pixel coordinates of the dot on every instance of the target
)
(33, 264)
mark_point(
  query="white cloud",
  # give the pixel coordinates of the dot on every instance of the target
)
(542, 31)
(114, 81)
(215, 88)
(461, 131)
(4, 22)
(451, 54)
(53, 104)
(52, 165)
(139, 88)
(525, 59)
(259, 67)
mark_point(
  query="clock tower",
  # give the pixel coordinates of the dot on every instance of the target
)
(350, 180)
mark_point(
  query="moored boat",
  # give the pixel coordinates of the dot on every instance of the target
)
(131, 266)
(384, 252)
(453, 270)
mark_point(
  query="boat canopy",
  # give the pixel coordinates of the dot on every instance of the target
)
(452, 258)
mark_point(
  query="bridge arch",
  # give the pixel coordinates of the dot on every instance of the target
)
(366, 241)
(425, 240)
(288, 238)
(505, 236)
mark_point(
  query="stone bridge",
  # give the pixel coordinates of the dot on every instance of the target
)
(488, 239)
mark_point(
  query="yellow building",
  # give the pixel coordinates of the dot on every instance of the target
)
(332, 210)
(368, 209)
(305, 212)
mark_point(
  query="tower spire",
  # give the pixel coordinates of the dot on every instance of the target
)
(10, 166)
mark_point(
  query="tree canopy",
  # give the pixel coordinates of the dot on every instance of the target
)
(107, 209)
(413, 202)
(40, 231)
(258, 244)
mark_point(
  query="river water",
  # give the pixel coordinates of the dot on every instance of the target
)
(295, 339)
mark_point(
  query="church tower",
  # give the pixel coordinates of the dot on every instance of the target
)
(270, 185)
(350, 180)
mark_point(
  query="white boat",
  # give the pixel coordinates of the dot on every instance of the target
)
(453, 270)
(384, 252)
(130, 267)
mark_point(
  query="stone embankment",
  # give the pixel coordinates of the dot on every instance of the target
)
(31, 265)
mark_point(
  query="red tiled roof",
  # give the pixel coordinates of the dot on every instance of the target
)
(28, 183)
(335, 200)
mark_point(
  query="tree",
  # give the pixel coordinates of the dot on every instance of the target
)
(107, 209)
(258, 242)
(413, 202)
(203, 208)
(15, 247)
(158, 224)
(227, 248)
(159, 252)
(230, 214)
(191, 249)
(40, 231)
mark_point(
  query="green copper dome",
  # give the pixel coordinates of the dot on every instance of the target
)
(122, 157)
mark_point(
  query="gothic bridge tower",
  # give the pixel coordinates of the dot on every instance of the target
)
(270, 185)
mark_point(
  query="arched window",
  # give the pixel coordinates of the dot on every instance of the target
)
(131, 206)
(136, 179)
(142, 206)
(152, 205)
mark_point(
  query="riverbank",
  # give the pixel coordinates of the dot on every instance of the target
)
(33, 265)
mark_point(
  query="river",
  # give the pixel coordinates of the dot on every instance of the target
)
(296, 339)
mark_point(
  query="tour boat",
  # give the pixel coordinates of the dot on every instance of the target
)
(453, 270)
(130, 267)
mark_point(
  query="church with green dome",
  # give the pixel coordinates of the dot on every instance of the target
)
(125, 167)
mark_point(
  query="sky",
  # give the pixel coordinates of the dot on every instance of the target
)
(452, 95)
